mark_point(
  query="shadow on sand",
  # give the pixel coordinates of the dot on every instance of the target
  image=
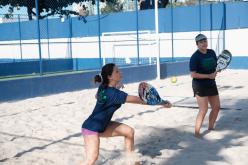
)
(191, 150)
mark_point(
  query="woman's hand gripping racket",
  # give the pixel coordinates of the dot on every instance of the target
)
(150, 96)
(223, 60)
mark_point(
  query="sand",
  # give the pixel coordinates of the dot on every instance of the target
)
(46, 130)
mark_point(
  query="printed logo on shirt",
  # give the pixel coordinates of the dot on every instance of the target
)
(102, 97)
(208, 63)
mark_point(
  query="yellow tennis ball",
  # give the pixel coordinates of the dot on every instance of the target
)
(173, 79)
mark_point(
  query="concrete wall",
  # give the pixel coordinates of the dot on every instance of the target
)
(33, 66)
(39, 86)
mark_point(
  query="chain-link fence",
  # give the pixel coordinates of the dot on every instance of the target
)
(46, 36)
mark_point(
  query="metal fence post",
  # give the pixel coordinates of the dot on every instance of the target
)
(99, 33)
(137, 29)
(172, 32)
(211, 25)
(48, 42)
(157, 38)
(224, 28)
(200, 16)
(70, 28)
(38, 33)
(20, 35)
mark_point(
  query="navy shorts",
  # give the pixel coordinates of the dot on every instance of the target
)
(202, 90)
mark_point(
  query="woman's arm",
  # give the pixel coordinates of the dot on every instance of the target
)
(134, 99)
(137, 100)
(203, 76)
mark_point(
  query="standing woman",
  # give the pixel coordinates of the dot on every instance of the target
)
(99, 124)
(202, 67)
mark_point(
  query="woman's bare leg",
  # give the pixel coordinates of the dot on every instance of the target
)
(203, 108)
(215, 105)
(91, 143)
(119, 129)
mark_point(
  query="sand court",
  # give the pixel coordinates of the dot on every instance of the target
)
(46, 130)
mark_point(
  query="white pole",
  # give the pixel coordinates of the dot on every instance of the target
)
(157, 39)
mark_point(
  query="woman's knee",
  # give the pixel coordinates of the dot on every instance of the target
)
(203, 111)
(130, 132)
(216, 108)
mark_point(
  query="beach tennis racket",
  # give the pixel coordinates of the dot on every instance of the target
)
(150, 95)
(223, 60)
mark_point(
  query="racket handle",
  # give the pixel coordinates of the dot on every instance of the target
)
(164, 102)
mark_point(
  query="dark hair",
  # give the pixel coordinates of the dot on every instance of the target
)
(107, 70)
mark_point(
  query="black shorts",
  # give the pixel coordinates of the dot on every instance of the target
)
(204, 90)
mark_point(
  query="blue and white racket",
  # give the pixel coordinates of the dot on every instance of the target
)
(149, 94)
(223, 60)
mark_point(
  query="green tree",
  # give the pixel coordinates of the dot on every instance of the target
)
(58, 7)
(46, 7)
(112, 6)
